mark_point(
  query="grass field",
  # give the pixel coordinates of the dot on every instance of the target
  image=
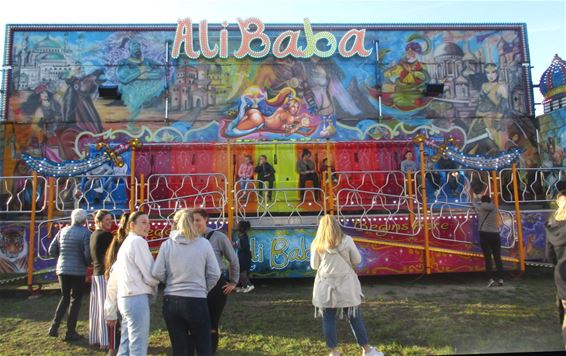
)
(408, 315)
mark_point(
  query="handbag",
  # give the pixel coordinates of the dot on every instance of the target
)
(484, 219)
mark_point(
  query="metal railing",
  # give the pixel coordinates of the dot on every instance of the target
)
(16, 194)
(89, 192)
(387, 218)
(536, 185)
(287, 206)
(204, 190)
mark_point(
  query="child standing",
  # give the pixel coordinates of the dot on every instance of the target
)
(244, 257)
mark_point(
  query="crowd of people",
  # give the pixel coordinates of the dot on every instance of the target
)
(265, 174)
(190, 264)
(200, 267)
(442, 176)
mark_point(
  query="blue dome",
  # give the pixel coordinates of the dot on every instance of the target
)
(553, 80)
(47, 43)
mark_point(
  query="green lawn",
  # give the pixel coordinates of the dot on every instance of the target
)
(407, 315)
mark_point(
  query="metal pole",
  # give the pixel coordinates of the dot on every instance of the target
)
(495, 189)
(518, 218)
(32, 232)
(425, 210)
(50, 204)
(410, 202)
(133, 180)
(329, 178)
(142, 189)
(230, 193)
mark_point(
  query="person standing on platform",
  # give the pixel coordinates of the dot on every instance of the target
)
(307, 171)
(265, 173)
(245, 174)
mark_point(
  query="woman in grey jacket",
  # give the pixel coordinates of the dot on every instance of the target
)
(187, 265)
(72, 249)
(336, 285)
(556, 252)
(490, 241)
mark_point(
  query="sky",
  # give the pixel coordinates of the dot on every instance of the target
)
(546, 19)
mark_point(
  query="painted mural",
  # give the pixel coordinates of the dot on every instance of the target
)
(55, 110)
(13, 248)
(286, 252)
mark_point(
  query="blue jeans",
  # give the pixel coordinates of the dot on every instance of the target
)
(188, 324)
(329, 327)
(135, 324)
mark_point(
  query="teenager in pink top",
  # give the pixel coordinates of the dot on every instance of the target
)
(245, 173)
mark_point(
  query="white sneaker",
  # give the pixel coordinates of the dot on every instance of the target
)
(372, 352)
(240, 290)
(98, 189)
(249, 288)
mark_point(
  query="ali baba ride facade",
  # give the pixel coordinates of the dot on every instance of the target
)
(195, 99)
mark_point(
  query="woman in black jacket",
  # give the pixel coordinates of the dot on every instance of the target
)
(556, 252)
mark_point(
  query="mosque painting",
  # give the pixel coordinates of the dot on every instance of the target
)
(54, 107)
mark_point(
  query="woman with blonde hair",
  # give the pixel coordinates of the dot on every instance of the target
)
(337, 290)
(187, 265)
(556, 253)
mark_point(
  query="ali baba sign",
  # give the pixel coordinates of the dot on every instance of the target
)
(286, 44)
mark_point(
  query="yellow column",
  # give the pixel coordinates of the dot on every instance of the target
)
(32, 232)
(425, 209)
(50, 203)
(142, 189)
(518, 218)
(495, 188)
(410, 202)
(133, 180)
(230, 193)
(329, 187)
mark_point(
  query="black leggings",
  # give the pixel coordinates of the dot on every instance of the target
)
(490, 243)
(216, 301)
(72, 289)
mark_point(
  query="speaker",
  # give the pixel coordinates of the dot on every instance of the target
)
(109, 92)
(434, 89)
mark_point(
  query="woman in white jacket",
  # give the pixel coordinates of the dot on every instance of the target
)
(130, 286)
(337, 289)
